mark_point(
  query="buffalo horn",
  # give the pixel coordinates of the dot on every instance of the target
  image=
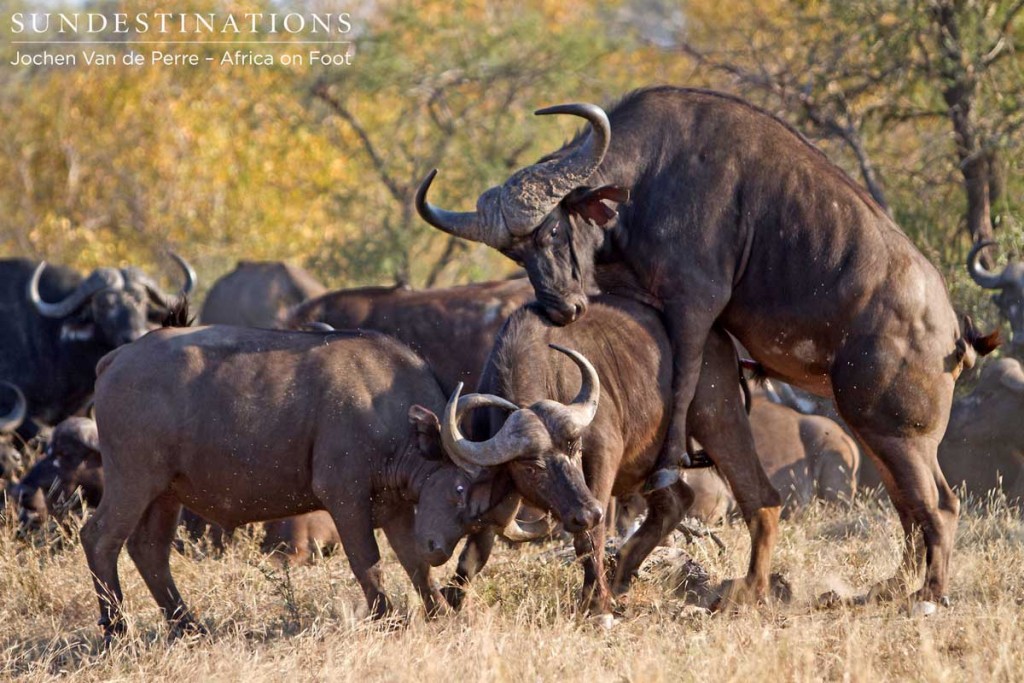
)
(978, 273)
(13, 419)
(580, 413)
(473, 455)
(100, 279)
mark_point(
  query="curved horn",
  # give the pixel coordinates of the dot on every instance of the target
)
(190, 274)
(473, 455)
(978, 273)
(532, 192)
(1013, 379)
(464, 224)
(158, 295)
(100, 279)
(534, 531)
(13, 419)
(583, 408)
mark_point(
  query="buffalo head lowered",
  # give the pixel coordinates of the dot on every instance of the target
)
(545, 216)
(1010, 286)
(540, 447)
(113, 305)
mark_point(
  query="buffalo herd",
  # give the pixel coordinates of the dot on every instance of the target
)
(677, 233)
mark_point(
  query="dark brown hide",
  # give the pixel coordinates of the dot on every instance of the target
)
(452, 328)
(258, 294)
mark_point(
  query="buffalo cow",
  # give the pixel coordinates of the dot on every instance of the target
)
(1009, 283)
(59, 325)
(453, 328)
(258, 294)
(243, 425)
(616, 440)
(728, 216)
(983, 448)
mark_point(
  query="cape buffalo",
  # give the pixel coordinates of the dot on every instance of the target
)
(453, 328)
(984, 448)
(258, 294)
(727, 215)
(59, 325)
(1009, 283)
(616, 440)
(806, 457)
(244, 425)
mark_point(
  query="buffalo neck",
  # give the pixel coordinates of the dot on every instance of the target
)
(404, 473)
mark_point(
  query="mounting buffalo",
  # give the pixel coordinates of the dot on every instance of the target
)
(1009, 285)
(58, 325)
(984, 447)
(624, 356)
(243, 425)
(727, 215)
(258, 294)
(453, 328)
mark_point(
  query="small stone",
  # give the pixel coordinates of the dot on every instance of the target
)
(923, 608)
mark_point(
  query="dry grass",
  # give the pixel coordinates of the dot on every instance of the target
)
(307, 623)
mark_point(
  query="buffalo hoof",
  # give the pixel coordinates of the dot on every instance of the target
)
(187, 627)
(945, 601)
(923, 608)
(661, 479)
(454, 596)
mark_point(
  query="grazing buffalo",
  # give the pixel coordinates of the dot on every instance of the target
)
(452, 328)
(1010, 286)
(806, 457)
(258, 294)
(244, 425)
(728, 216)
(58, 325)
(71, 463)
(984, 447)
(616, 440)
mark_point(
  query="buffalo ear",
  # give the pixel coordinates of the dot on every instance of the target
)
(589, 203)
(479, 502)
(428, 432)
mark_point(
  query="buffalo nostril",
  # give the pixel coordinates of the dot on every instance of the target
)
(578, 311)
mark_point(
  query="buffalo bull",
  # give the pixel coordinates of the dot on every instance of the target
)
(1009, 285)
(624, 355)
(276, 424)
(258, 294)
(728, 216)
(453, 328)
(59, 325)
(984, 448)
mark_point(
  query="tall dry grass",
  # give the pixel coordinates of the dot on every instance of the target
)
(307, 623)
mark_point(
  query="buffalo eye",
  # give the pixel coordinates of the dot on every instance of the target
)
(460, 489)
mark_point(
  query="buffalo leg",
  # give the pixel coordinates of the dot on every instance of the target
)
(399, 530)
(898, 405)
(103, 536)
(688, 326)
(474, 556)
(600, 464)
(150, 548)
(355, 528)
(926, 506)
(720, 423)
(665, 509)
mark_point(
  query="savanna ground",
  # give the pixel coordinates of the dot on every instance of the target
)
(308, 624)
